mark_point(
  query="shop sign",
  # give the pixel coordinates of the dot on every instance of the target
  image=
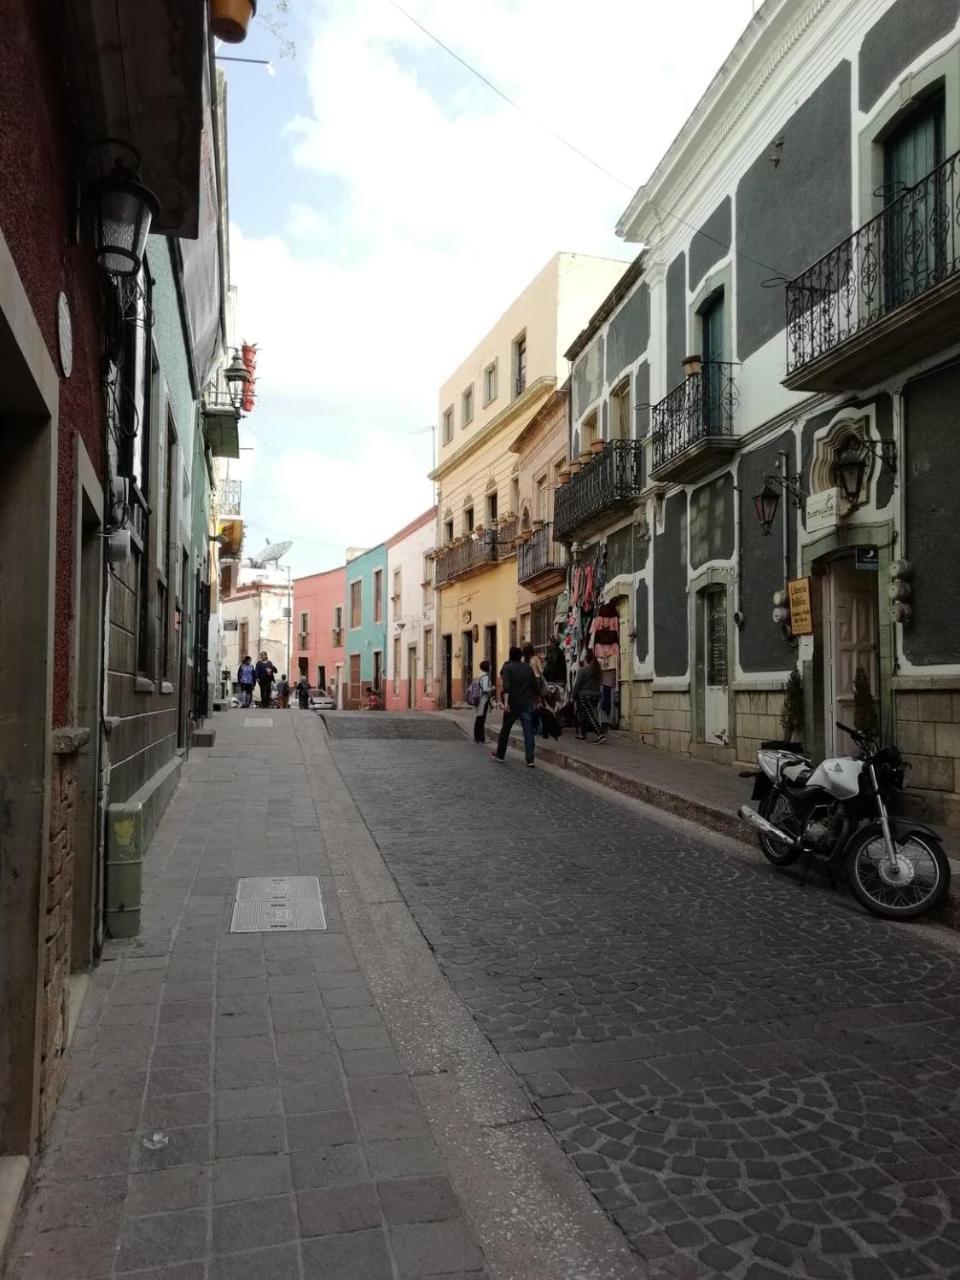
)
(801, 613)
(868, 558)
(822, 510)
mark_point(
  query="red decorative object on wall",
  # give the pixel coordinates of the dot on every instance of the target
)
(248, 351)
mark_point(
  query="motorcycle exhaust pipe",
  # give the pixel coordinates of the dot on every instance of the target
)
(761, 824)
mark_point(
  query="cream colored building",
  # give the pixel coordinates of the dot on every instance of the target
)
(484, 406)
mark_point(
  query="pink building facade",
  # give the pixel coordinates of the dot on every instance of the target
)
(319, 630)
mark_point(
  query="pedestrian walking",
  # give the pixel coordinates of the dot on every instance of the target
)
(586, 697)
(531, 656)
(265, 673)
(519, 689)
(245, 679)
(483, 705)
(303, 693)
(283, 689)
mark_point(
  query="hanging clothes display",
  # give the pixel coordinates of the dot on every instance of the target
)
(605, 632)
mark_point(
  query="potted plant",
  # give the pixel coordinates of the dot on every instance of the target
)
(585, 456)
(691, 365)
(229, 19)
(791, 713)
(574, 468)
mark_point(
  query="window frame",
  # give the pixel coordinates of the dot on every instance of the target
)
(446, 429)
(378, 595)
(356, 588)
(490, 377)
(467, 410)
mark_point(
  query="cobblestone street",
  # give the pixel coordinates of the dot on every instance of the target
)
(755, 1080)
(625, 1048)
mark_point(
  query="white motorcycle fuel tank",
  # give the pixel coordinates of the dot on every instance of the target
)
(841, 777)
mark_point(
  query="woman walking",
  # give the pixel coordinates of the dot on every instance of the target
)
(586, 696)
(483, 706)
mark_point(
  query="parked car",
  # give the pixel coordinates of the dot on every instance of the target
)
(322, 702)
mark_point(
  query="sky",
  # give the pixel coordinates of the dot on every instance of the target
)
(386, 206)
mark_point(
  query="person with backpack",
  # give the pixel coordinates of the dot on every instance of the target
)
(245, 680)
(265, 673)
(480, 695)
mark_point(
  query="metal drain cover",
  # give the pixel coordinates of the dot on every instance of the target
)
(266, 721)
(278, 904)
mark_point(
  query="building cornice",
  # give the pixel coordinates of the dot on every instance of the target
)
(505, 418)
(682, 164)
(543, 419)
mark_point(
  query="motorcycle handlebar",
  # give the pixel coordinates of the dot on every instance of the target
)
(844, 728)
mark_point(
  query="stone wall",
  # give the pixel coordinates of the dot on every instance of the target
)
(758, 720)
(642, 717)
(928, 734)
(671, 721)
(57, 929)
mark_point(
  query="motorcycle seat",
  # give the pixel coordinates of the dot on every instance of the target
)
(797, 773)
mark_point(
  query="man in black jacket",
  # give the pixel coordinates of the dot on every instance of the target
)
(264, 672)
(519, 686)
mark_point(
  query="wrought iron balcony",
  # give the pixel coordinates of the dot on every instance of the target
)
(883, 298)
(228, 497)
(610, 480)
(541, 560)
(463, 558)
(507, 537)
(693, 425)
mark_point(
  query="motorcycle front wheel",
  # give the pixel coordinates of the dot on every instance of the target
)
(777, 809)
(919, 881)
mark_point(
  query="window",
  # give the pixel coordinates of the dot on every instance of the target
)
(447, 425)
(466, 407)
(304, 637)
(541, 620)
(378, 595)
(468, 520)
(711, 336)
(356, 598)
(397, 580)
(520, 365)
(428, 660)
(514, 496)
(355, 676)
(492, 507)
(337, 637)
(915, 240)
(541, 499)
(524, 627)
(490, 383)
(427, 580)
(620, 428)
(396, 664)
(591, 430)
(448, 531)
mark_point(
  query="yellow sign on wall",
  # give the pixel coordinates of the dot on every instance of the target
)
(801, 612)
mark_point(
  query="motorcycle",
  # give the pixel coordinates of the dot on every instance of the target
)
(839, 813)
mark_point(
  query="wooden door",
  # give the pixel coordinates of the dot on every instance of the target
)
(412, 677)
(852, 644)
(716, 714)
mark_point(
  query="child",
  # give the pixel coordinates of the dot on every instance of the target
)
(283, 689)
(483, 706)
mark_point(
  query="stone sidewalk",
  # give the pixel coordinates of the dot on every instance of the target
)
(291, 1106)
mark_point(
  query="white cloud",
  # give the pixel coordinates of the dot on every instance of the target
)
(449, 201)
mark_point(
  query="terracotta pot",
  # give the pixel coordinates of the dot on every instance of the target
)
(585, 457)
(563, 475)
(691, 365)
(229, 19)
(598, 446)
(574, 468)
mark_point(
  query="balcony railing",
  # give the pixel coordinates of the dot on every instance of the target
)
(612, 478)
(694, 422)
(466, 557)
(507, 534)
(908, 254)
(228, 497)
(541, 557)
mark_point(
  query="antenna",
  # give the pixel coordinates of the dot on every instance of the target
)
(271, 553)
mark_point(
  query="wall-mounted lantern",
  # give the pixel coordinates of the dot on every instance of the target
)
(121, 209)
(850, 465)
(766, 504)
(236, 376)
(767, 501)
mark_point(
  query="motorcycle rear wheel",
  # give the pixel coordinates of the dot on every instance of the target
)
(929, 879)
(776, 809)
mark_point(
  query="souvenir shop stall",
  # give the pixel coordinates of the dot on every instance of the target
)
(591, 622)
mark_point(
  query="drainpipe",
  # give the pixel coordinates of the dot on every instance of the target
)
(783, 468)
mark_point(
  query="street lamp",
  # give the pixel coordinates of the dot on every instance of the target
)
(122, 210)
(765, 504)
(849, 469)
(236, 376)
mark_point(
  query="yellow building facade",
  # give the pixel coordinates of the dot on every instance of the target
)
(484, 407)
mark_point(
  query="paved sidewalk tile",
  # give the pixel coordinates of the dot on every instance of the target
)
(235, 1108)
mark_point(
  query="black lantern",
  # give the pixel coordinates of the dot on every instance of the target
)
(236, 376)
(765, 504)
(849, 469)
(122, 209)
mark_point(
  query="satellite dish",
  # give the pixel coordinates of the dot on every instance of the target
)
(271, 553)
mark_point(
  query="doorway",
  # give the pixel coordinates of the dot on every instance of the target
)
(411, 677)
(850, 628)
(490, 648)
(322, 678)
(712, 640)
(466, 661)
(378, 670)
(448, 671)
(87, 914)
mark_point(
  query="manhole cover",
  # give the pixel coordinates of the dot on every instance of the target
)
(278, 904)
(266, 721)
